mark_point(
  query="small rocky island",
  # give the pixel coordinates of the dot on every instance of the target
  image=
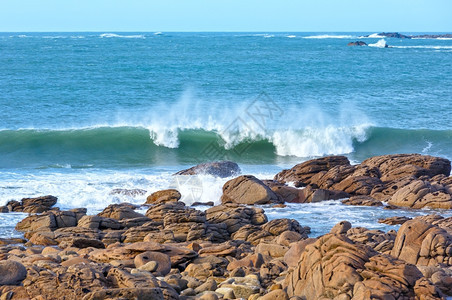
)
(422, 36)
(232, 251)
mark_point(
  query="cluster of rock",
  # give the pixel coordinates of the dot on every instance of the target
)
(422, 36)
(403, 180)
(30, 205)
(232, 251)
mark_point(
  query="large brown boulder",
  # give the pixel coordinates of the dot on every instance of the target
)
(170, 195)
(423, 244)
(420, 194)
(397, 166)
(247, 189)
(301, 174)
(335, 267)
(221, 169)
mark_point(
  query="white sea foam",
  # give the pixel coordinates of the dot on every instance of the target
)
(328, 36)
(423, 47)
(380, 44)
(291, 36)
(300, 131)
(294, 131)
(372, 36)
(114, 35)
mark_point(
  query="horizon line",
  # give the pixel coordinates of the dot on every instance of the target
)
(225, 31)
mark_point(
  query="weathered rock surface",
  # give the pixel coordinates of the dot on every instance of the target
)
(12, 273)
(170, 195)
(31, 205)
(420, 194)
(235, 216)
(221, 169)
(362, 201)
(301, 174)
(119, 212)
(335, 267)
(247, 189)
(423, 244)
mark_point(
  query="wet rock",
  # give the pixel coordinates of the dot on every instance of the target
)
(394, 220)
(394, 35)
(362, 201)
(32, 205)
(170, 195)
(301, 174)
(357, 43)
(313, 195)
(247, 189)
(420, 194)
(12, 272)
(221, 169)
(128, 192)
(398, 166)
(119, 212)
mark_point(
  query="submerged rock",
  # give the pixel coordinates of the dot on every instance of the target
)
(221, 169)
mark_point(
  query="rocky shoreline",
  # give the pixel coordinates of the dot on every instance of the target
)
(232, 251)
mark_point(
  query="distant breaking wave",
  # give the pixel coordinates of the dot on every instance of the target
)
(114, 35)
(137, 145)
(328, 36)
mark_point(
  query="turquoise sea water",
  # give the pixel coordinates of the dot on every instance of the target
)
(83, 113)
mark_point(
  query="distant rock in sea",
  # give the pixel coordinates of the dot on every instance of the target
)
(357, 43)
(403, 36)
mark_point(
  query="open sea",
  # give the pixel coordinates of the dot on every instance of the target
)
(82, 114)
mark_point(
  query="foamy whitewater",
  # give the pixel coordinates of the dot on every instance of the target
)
(84, 114)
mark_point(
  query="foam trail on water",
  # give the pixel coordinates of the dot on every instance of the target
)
(372, 36)
(380, 44)
(114, 35)
(328, 36)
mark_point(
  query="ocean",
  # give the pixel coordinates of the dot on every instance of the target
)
(85, 113)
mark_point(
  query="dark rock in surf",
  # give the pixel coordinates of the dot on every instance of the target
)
(432, 36)
(357, 43)
(30, 205)
(394, 35)
(221, 169)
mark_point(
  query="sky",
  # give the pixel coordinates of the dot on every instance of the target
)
(226, 15)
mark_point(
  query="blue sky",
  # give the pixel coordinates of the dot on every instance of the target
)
(226, 15)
